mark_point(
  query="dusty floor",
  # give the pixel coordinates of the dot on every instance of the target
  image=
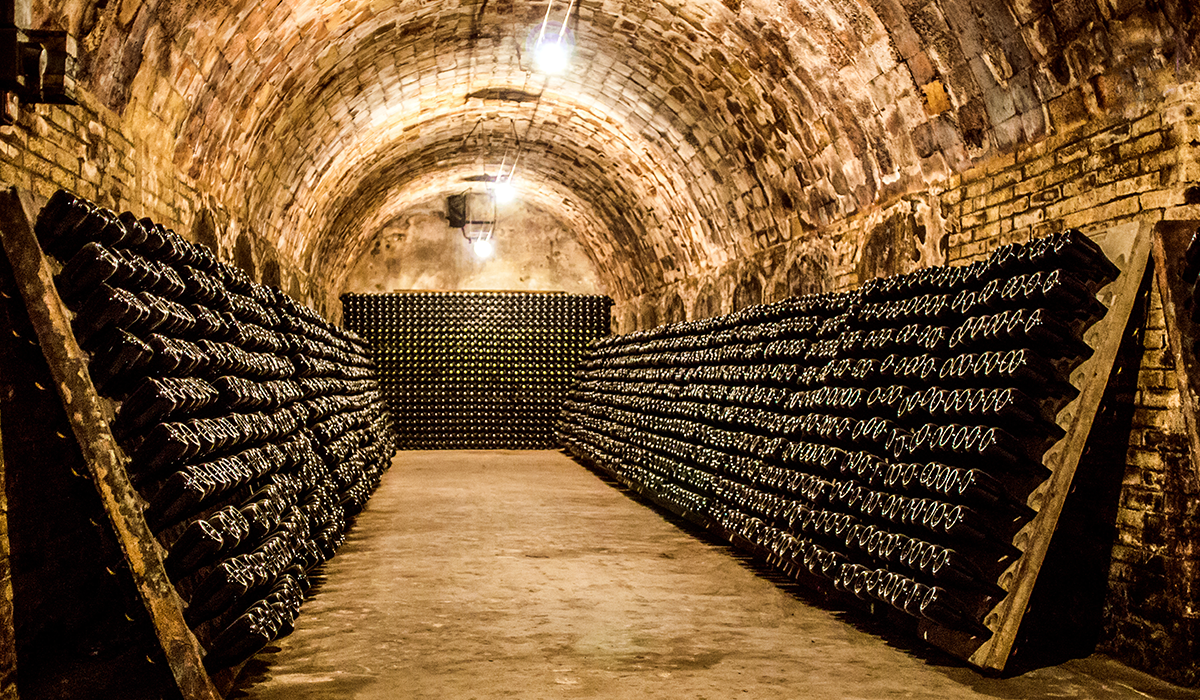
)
(521, 574)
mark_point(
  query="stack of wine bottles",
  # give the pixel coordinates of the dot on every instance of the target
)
(882, 443)
(254, 428)
(477, 370)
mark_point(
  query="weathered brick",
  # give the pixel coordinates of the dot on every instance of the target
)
(1072, 153)
(1105, 212)
(977, 189)
(998, 166)
(1062, 173)
(1146, 144)
(1038, 166)
(1160, 199)
(996, 196)
(1129, 537)
(1183, 213)
(1148, 123)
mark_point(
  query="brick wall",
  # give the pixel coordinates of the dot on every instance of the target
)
(1142, 164)
(1152, 613)
(1103, 175)
(118, 161)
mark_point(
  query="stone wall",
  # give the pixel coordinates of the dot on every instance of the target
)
(417, 249)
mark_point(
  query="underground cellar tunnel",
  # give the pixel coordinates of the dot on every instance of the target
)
(788, 348)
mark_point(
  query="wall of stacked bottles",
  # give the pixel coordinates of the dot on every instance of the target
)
(881, 443)
(255, 429)
(477, 370)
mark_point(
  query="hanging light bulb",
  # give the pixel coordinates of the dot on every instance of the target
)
(483, 247)
(504, 192)
(552, 57)
(552, 54)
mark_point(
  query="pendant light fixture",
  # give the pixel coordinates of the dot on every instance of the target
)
(552, 54)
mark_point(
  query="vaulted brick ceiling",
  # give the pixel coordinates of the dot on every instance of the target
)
(684, 134)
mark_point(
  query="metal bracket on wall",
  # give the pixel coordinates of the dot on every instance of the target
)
(37, 66)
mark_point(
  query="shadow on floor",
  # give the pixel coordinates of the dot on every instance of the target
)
(1093, 676)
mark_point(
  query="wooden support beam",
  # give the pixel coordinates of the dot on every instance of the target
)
(106, 463)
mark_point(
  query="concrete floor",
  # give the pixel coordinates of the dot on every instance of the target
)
(521, 574)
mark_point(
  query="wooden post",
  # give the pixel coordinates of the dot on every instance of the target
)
(106, 463)
(1171, 239)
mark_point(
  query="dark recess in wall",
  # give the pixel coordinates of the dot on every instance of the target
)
(708, 303)
(808, 275)
(205, 231)
(243, 255)
(748, 293)
(649, 316)
(673, 311)
(271, 273)
(890, 247)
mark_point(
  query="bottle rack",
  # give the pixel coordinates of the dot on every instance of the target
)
(230, 432)
(477, 370)
(908, 445)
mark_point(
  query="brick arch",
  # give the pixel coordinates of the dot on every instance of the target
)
(367, 74)
(726, 125)
(600, 188)
(749, 291)
(708, 302)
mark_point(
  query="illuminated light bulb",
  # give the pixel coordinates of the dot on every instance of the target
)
(552, 56)
(483, 247)
(504, 192)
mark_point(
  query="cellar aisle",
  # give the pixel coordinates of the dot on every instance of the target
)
(500, 574)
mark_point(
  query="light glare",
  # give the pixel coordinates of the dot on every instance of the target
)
(552, 56)
(504, 192)
(483, 247)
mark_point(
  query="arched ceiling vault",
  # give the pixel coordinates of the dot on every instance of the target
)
(685, 133)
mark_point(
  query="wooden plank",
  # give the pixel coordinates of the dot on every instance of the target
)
(1128, 247)
(1171, 239)
(106, 463)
